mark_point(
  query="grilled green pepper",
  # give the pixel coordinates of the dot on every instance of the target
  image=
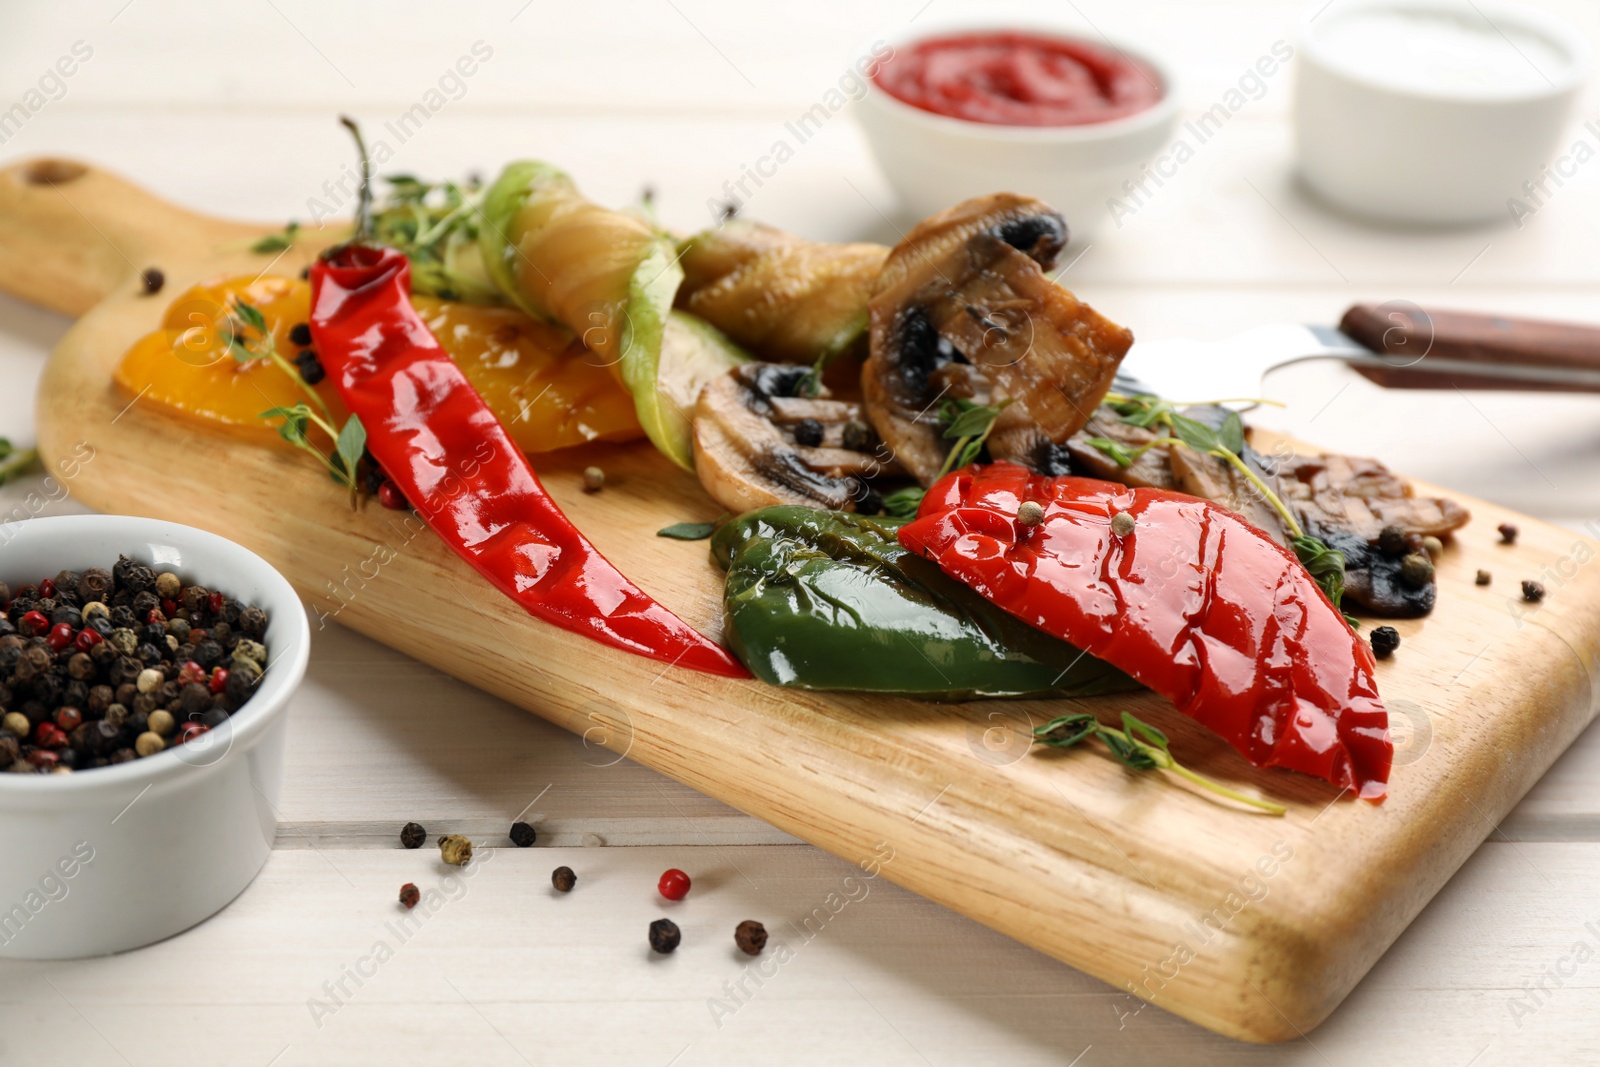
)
(829, 600)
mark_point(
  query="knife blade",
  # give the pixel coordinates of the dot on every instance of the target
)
(1410, 348)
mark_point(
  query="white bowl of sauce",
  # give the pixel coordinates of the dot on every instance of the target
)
(967, 108)
(1432, 111)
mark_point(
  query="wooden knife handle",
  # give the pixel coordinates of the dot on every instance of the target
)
(70, 233)
(1410, 335)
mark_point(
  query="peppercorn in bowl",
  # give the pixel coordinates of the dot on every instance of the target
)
(141, 796)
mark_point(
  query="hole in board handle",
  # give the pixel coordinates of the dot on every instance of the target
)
(53, 172)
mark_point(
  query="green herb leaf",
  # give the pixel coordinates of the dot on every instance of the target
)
(1067, 730)
(1231, 435)
(1197, 435)
(688, 531)
(971, 420)
(903, 503)
(1120, 455)
(1142, 409)
(277, 242)
(352, 443)
(1144, 732)
(1325, 565)
(295, 420)
(14, 463)
(1138, 746)
(251, 316)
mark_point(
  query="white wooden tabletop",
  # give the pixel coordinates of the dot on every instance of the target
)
(231, 110)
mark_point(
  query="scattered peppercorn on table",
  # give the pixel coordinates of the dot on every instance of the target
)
(319, 961)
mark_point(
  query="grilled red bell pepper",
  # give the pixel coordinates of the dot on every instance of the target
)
(1194, 602)
(450, 456)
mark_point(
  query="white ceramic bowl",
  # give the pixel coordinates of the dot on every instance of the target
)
(1377, 138)
(113, 858)
(934, 161)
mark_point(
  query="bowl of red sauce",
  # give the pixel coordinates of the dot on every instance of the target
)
(962, 110)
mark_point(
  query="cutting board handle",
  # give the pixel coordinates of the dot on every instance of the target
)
(71, 233)
(1411, 334)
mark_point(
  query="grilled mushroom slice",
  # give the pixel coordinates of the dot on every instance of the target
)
(1363, 496)
(963, 307)
(758, 441)
(785, 298)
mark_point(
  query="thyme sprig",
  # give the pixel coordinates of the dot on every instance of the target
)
(1140, 747)
(903, 503)
(968, 424)
(248, 338)
(1323, 564)
(436, 226)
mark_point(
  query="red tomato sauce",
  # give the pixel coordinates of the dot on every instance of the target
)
(1019, 79)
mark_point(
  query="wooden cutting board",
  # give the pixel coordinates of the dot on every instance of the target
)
(1253, 926)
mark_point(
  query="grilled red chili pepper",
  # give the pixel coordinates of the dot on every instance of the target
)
(451, 458)
(1193, 601)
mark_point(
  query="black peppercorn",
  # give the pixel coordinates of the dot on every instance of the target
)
(242, 680)
(211, 718)
(94, 584)
(751, 937)
(152, 279)
(253, 621)
(1508, 533)
(194, 700)
(136, 578)
(31, 664)
(11, 751)
(868, 502)
(808, 433)
(300, 334)
(523, 835)
(859, 436)
(412, 835)
(1385, 639)
(1533, 592)
(664, 936)
(207, 653)
(563, 879)
(310, 367)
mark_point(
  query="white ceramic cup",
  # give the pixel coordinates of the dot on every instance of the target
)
(1378, 138)
(109, 859)
(934, 161)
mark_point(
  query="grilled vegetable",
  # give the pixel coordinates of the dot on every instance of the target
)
(785, 298)
(751, 430)
(607, 276)
(964, 310)
(1183, 595)
(825, 600)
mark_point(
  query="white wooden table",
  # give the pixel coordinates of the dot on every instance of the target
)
(231, 110)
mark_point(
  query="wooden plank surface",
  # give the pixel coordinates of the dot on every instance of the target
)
(691, 134)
